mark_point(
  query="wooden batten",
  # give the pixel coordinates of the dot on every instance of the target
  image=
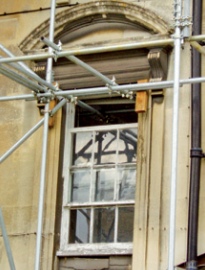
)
(141, 100)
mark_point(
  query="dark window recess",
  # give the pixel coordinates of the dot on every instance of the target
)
(111, 114)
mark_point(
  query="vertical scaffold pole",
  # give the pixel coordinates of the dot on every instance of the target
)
(44, 147)
(173, 184)
(6, 242)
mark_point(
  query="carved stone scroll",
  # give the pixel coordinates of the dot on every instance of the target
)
(158, 61)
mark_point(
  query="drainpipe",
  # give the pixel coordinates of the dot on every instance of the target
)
(196, 151)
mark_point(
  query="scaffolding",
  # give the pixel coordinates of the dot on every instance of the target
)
(45, 90)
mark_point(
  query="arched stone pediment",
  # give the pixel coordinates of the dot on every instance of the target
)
(94, 16)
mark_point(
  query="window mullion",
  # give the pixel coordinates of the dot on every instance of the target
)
(92, 188)
(116, 224)
(116, 184)
(92, 172)
(91, 225)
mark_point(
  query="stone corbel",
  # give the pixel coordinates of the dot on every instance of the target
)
(158, 61)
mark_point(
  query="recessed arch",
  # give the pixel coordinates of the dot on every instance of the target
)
(108, 11)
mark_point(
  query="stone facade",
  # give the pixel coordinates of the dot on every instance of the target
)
(21, 25)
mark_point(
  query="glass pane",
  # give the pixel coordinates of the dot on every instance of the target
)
(83, 143)
(79, 226)
(104, 222)
(125, 224)
(105, 147)
(105, 180)
(80, 188)
(127, 183)
(127, 146)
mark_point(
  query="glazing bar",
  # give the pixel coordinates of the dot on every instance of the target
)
(23, 139)
(6, 242)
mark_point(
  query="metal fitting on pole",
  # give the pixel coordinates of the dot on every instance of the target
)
(51, 44)
(192, 265)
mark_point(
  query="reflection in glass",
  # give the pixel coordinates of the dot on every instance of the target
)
(105, 180)
(105, 147)
(127, 182)
(83, 148)
(80, 186)
(79, 225)
(104, 222)
(99, 173)
(125, 224)
(127, 146)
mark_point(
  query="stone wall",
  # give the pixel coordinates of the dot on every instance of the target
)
(20, 173)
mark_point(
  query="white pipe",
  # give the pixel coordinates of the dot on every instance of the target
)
(173, 184)
(44, 149)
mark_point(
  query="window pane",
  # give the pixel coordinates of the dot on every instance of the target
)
(83, 143)
(127, 182)
(127, 146)
(125, 224)
(105, 147)
(104, 222)
(79, 226)
(80, 189)
(105, 180)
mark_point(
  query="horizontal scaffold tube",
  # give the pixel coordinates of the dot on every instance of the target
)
(99, 49)
(69, 94)
(26, 70)
(33, 76)
(197, 38)
(20, 79)
(92, 50)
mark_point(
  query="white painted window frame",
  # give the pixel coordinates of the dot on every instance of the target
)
(73, 249)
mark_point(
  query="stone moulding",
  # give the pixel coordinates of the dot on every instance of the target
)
(134, 13)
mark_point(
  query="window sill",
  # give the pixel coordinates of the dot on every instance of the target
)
(96, 249)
